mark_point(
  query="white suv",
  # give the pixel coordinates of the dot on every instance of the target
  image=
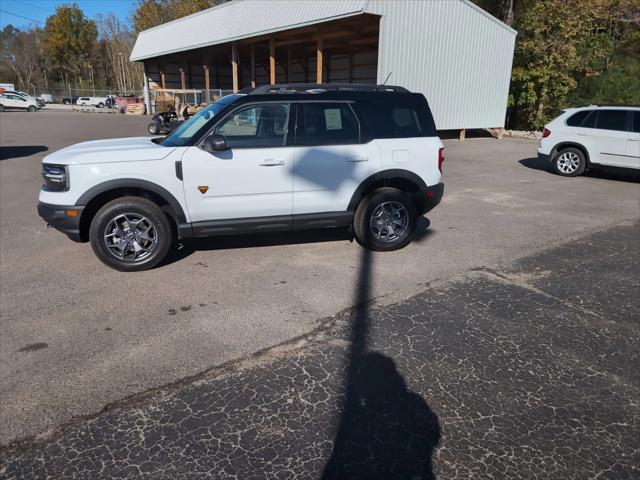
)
(595, 135)
(282, 157)
(15, 101)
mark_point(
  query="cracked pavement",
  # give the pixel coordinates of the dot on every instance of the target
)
(530, 371)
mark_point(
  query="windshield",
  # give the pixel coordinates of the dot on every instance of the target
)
(182, 135)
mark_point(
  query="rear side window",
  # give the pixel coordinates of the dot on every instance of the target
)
(398, 116)
(636, 121)
(328, 124)
(577, 118)
(612, 120)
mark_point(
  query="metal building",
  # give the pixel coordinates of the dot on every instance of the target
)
(452, 51)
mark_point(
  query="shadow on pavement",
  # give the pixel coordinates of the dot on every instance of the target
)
(606, 173)
(385, 430)
(7, 153)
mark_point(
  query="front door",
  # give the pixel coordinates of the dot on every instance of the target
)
(252, 178)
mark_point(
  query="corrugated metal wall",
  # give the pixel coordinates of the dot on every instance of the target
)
(458, 56)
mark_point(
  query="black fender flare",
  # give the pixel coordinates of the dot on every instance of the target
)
(167, 196)
(562, 145)
(384, 175)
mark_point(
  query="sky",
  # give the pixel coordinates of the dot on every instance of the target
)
(38, 10)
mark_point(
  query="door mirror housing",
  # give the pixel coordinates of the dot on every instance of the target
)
(214, 143)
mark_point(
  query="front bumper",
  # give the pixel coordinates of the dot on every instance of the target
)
(56, 216)
(431, 197)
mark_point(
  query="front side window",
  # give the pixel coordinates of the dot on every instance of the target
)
(612, 120)
(198, 124)
(328, 124)
(256, 126)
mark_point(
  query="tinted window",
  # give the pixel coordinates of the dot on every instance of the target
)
(256, 126)
(328, 124)
(612, 120)
(590, 121)
(576, 119)
(398, 116)
(636, 121)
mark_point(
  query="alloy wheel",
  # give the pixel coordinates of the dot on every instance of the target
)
(389, 221)
(568, 162)
(131, 237)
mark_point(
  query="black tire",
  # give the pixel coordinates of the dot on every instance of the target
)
(101, 105)
(154, 128)
(1, 108)
(31, 108)
(135, 208)
(370, 235)
(569, 162)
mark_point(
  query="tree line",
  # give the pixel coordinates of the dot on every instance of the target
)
(568, 52)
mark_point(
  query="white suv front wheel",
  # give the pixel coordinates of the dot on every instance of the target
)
(131, 234)
(569, 162)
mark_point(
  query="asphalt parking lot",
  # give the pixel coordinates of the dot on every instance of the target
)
(77, 336)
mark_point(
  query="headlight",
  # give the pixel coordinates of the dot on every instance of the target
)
(56, 178)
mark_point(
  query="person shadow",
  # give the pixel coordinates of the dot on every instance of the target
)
(385, 430)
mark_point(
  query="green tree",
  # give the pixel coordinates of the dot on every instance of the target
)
(150, 13)
(70, 42)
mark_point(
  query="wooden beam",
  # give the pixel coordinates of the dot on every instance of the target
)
(162, 83)
(253, 65)
(319, 61)
(462, 134)
(207, 84)
(289, 65)
(272, 62)
(234, 66)
(182, 80)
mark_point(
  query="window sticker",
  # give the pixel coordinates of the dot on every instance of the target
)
(333, 119)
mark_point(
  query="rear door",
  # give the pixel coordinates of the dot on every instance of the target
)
(610, 137)
(332, 157)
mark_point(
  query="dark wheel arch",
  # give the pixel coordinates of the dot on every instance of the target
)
(401, 179)
(94, 198)
(561, 146)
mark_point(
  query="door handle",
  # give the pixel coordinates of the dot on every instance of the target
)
(358, 159)
(271, 163)
(582, 134)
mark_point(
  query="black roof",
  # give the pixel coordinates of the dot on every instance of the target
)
(317, 88)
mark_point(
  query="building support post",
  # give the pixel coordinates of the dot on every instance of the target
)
(500, 133)
(207, 83)
(234, 66)
(319, 61)
(182, 80)
(147, 94)
(253, 65)
(272, 62)
(288, 64)
(462, 134)
(162, 83)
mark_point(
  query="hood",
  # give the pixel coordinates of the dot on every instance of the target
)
(134, 149)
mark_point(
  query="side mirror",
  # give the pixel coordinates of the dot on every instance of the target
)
(214, 143)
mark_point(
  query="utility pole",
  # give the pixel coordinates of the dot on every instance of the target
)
(93, 85)
(124, 80)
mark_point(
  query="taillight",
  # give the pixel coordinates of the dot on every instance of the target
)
(440, 158)
(545, 133)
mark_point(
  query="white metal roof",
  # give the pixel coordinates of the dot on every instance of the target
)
(241, 19)
(237, 20)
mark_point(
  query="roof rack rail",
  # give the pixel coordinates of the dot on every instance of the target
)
(323, 87)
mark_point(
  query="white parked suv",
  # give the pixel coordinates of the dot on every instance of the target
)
(595, 135)
(99, 102)
(282, 157)
(15, 101)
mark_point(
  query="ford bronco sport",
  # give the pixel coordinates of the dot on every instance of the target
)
(281, 157)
